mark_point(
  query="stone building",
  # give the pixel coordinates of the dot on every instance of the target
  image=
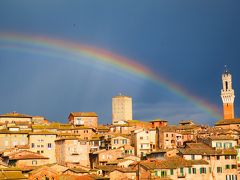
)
(89, 119)
(121, 109)
(43, 142)
(72, 151)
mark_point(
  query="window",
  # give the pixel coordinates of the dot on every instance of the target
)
(34, 162)
(193, 157)
(171, 171)
(219, 169)
(203, 170)
(163, 173)
(189, 171)
(42, 146)
(210, 170)
(115, 141)
(233, 157)
(124, 141)
(227, 157)
(227, 166)
(166, 135)
(141, 138)
(156, 173)
(218, 144)
(227, 145)
(181, 170)
(49, 145)
(194, 171)
(42, 151)
(218, 157)
(38, 152)
(234, 166)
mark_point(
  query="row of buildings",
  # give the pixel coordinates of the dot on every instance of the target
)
(33, 148)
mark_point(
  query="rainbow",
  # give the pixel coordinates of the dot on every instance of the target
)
(59, 47)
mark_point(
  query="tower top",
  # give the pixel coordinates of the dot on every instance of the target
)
(226, 71)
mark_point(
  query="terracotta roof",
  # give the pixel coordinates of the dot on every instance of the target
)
(228, 121)
(188, 127)
(171, 128)
(161, 151)
(198, 146)
(121, 135)
(171, 163)
(126, 170)
(82, 127)
(11, 175)
(75, 177)
(78, 170)
(108, 168)
(189, 151)
(22, 155)
(158, 120)
(222, 137)
(42, 133)
(126, 147)
(15, 114)
(101, 128)
(84, 114)
(4, 131)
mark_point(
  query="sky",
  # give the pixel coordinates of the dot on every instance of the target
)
(186, 43)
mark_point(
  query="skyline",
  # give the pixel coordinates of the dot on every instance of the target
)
(45, 76)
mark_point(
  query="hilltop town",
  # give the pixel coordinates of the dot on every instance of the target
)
(33, 148)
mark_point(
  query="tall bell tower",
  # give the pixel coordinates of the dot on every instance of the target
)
(227, 94)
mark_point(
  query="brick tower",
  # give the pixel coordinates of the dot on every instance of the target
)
(227, 94)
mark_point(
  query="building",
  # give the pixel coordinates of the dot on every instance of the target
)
(227, 94)
(89, 119)
(14, 117)
(102, 157)
(44, 144)
(10, 139)
(168, 138)
(12, 174)
(228, 123)
(23, 159)
(72, 152)
(174, 168)
(121, 109)
(144, 141)
(222, 162)
(123, 173)
(119, 140)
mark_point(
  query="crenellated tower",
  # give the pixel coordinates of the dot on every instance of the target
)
(227, 94)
